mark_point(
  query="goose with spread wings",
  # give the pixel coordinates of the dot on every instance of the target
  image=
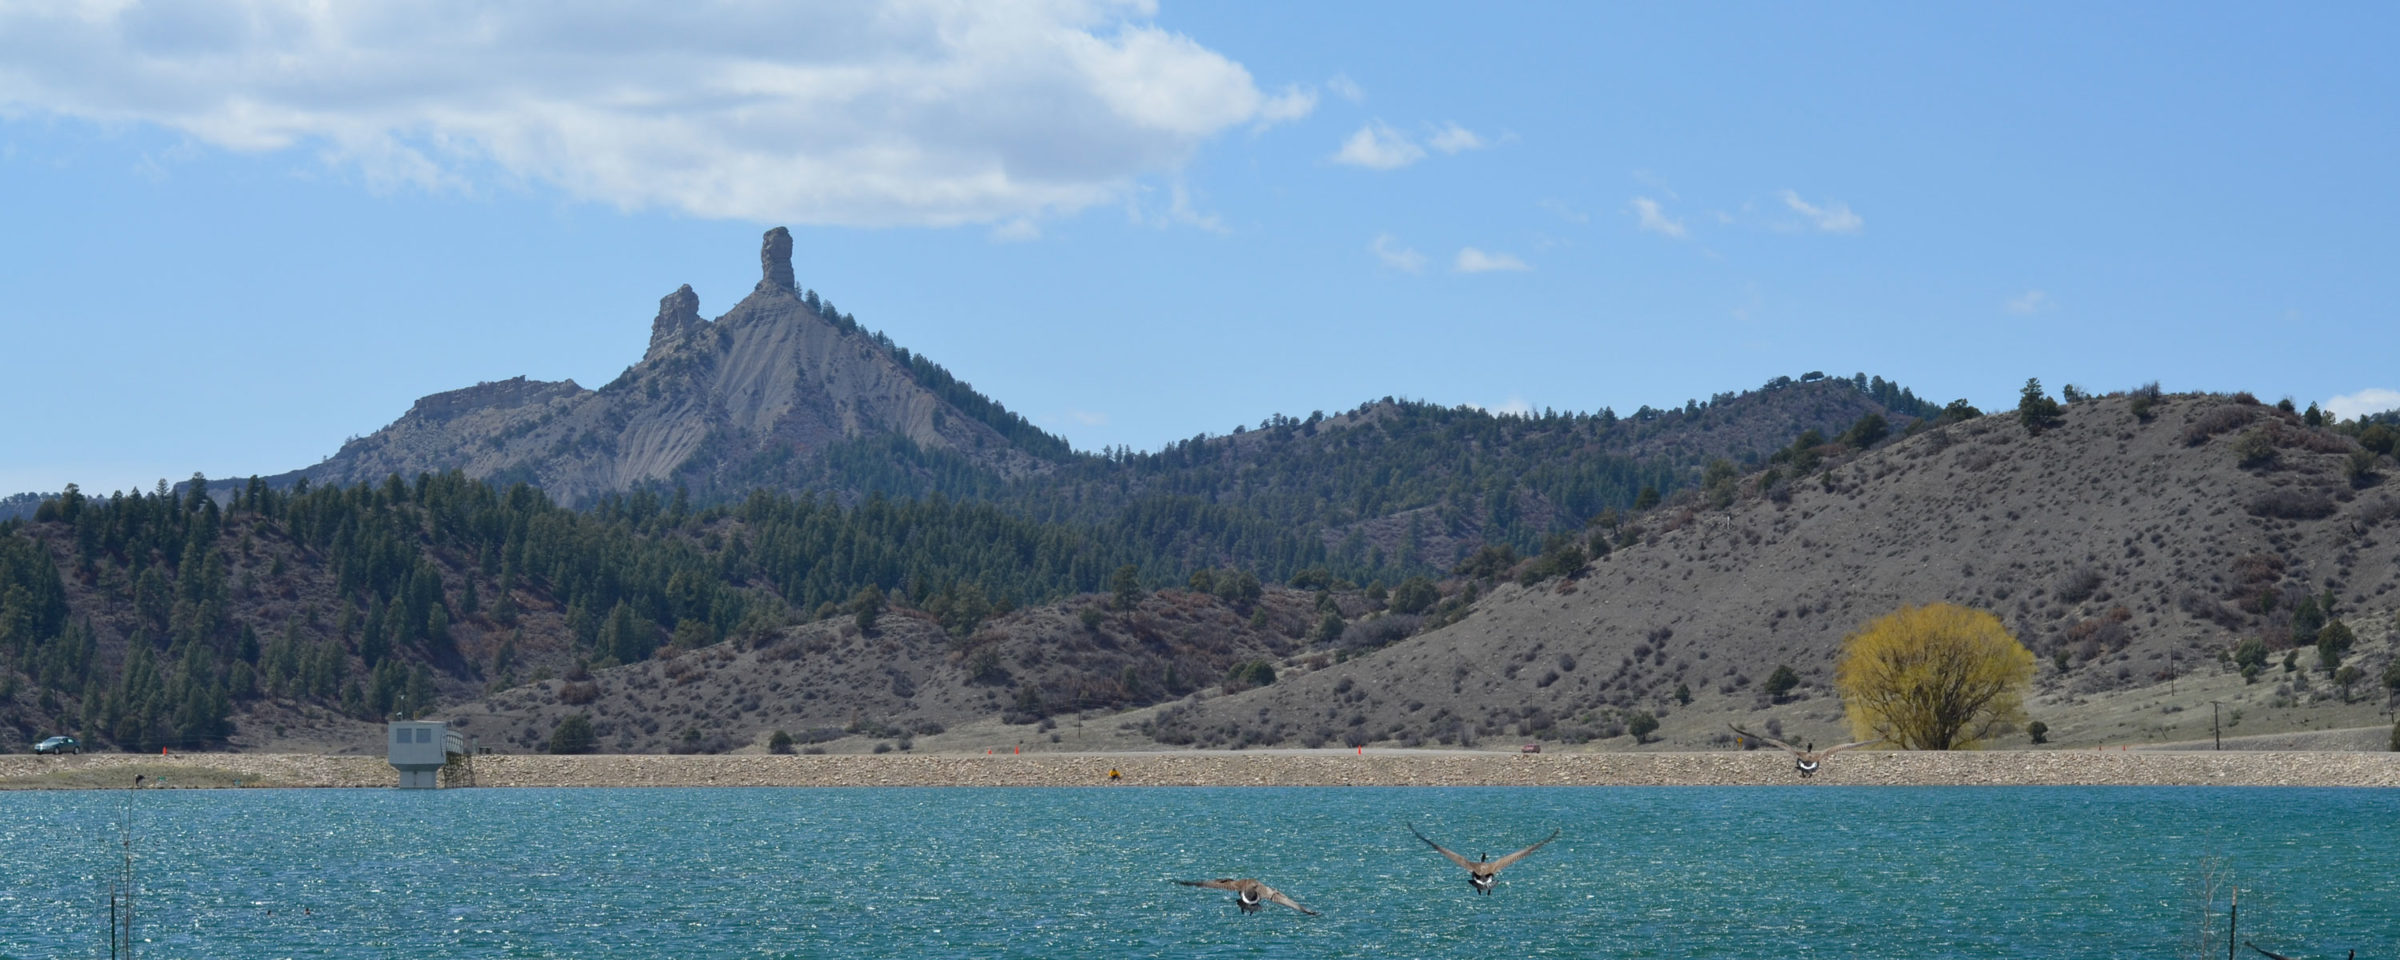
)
(1806, 761)
(1249, 894)
(1482, 873)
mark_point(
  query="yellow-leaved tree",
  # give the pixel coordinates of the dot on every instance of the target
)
(1936, 677)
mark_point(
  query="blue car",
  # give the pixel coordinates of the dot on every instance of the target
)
(59, 745)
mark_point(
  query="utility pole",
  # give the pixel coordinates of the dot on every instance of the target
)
(2214, 725)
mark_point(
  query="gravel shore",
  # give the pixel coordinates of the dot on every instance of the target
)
(1250, 768)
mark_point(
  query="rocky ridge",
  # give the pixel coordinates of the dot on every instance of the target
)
(773, 379)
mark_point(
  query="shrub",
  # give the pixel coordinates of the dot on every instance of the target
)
(2255, 448)
(2359, 468)
(1781, 682)
(781, 742)
(2333, 640)
(2039, 731)
(2077, 585)
(1936, 677)
(984, 666)
(578, 693)
(867, 605)
(2378, 439)
(2346, 678)
(2035, 411)
(2285, 503)
(1256, 673)
(1641, 725)
(1415, 595)
(574, 735)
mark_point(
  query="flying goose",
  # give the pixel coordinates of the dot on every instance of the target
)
(1249, 894)
(2278, 956)
(1480, 873)
(1806, 761)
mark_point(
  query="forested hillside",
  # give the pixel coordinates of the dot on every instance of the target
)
(149, 620)
(1395, 488)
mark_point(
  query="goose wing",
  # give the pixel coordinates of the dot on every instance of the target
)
(1271, 893)
(1218, 884)
(1830, 751)
(1520, 855)
(1444, 851)
(1795, 751)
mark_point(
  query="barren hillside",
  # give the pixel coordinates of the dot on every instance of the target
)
(2121, 550)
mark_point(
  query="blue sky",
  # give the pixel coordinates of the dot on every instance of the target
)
(236, 234)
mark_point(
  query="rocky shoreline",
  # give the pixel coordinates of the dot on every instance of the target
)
(1394, 768)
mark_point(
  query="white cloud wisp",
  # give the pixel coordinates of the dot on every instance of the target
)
(1394, 255)
(1452, 138)
(869, 114)
(1655, 220)
(1377, 146)
(1833, 217)
(1471, 260)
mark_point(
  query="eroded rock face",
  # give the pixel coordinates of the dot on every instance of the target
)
(775, 262)
(678, 313)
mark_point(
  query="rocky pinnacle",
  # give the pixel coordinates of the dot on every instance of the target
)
(677, 312)
(775, 261)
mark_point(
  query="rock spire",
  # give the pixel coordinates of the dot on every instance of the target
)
(677, 312)
(775, 262)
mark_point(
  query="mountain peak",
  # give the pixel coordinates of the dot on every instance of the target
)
(775, 262)
(761, 395)
(678, 312)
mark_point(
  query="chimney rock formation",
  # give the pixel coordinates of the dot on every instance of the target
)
(775, 262)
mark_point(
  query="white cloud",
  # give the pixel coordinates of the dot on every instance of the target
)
(1377, 146)
(1088, 418)
(1564, 212)
(1655, 221)
(899, 113)
(1833, 217)
(1346, 88)
(2031, 301)
(1293, 103)
(2351, 406)
(1395, 256)
(1453, 138)
(1471, 260)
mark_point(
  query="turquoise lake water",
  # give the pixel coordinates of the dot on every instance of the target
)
(1074, 873)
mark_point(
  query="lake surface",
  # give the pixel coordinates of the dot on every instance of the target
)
(1072, 873)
